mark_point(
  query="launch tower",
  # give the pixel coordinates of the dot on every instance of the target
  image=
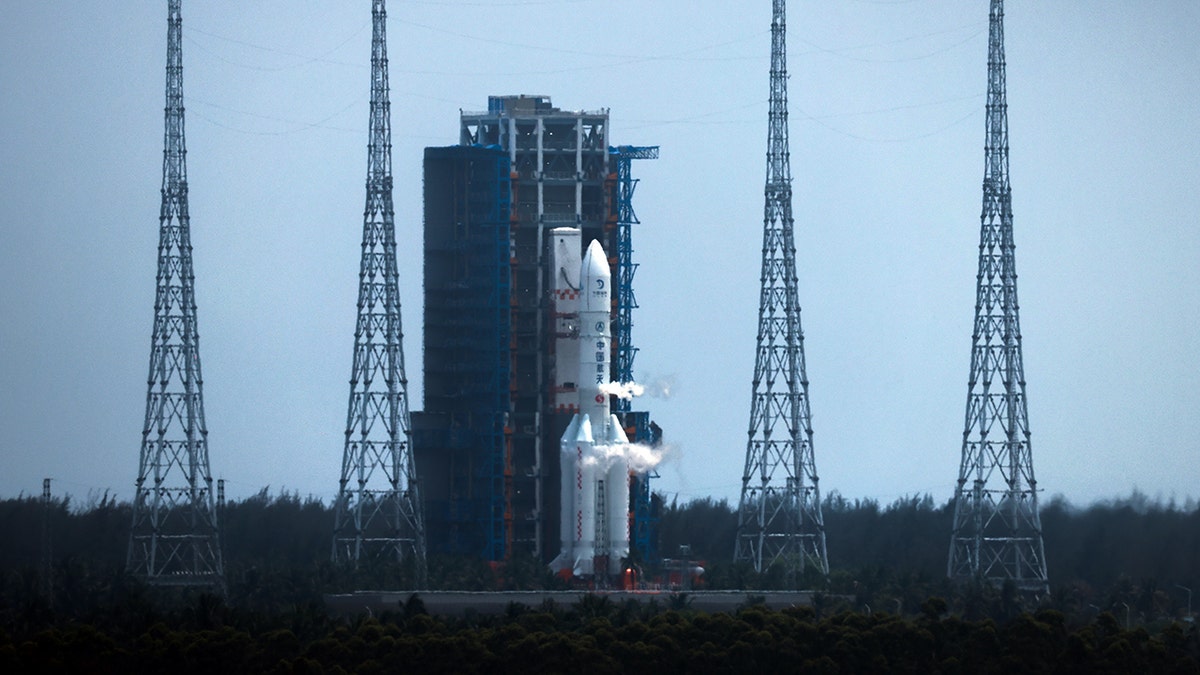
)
(174, 539)
(997, 532)
(497, 395)
(637, 423)
(779, 514)
(626, 268)
(378, 511)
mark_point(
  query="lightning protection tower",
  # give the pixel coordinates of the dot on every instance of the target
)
(174, 539)
(779, 514)
(997, 533)
(378, 510)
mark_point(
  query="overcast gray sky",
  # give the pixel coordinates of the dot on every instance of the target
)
(887, 102)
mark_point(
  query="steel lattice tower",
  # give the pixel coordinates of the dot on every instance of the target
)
(378, 506)
(779, 515)
(997, 530)
(174, 539)
(626, 268)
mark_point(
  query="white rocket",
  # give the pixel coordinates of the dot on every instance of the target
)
(595, 469)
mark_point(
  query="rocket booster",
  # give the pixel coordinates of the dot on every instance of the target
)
(594, 470)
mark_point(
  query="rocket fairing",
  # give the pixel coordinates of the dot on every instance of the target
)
(595, 471)
(565, 261)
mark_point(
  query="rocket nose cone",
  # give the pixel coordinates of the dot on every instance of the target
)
(595, 261)
(584, 435)
(595, 280)
(595, 248)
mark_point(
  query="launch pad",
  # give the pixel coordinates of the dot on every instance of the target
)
(461, 603)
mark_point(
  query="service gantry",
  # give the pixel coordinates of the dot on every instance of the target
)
(997, 534)
(626, 268)
(645, 520)
(378, 513)
(175, 539)
(496, 401)
(779, 514)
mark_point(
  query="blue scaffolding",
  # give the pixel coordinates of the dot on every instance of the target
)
(468, 337)
(626, 268)
(643, 430)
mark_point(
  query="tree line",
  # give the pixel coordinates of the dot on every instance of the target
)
(594, 635)
(1120, 571)
(1135, 557)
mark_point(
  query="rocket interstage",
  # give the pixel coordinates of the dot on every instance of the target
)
(594, 516)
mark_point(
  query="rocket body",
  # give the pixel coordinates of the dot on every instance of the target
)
(595, 470)
(595, 341)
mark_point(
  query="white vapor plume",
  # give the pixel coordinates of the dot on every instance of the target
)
(659, 387)
(622, 390)
(641, 457)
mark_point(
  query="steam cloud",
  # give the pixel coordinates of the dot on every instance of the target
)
(641, 457)
(660, 387)
(622, 390)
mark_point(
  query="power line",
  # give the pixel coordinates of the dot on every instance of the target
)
(308, 59)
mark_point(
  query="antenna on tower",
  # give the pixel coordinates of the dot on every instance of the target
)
(47, 576)
(174, 539)
(779, 514)
(378, 512)
(997, 532)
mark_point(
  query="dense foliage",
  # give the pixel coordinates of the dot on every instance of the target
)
(1120, 574)
(1134, 556)
(594, 636)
